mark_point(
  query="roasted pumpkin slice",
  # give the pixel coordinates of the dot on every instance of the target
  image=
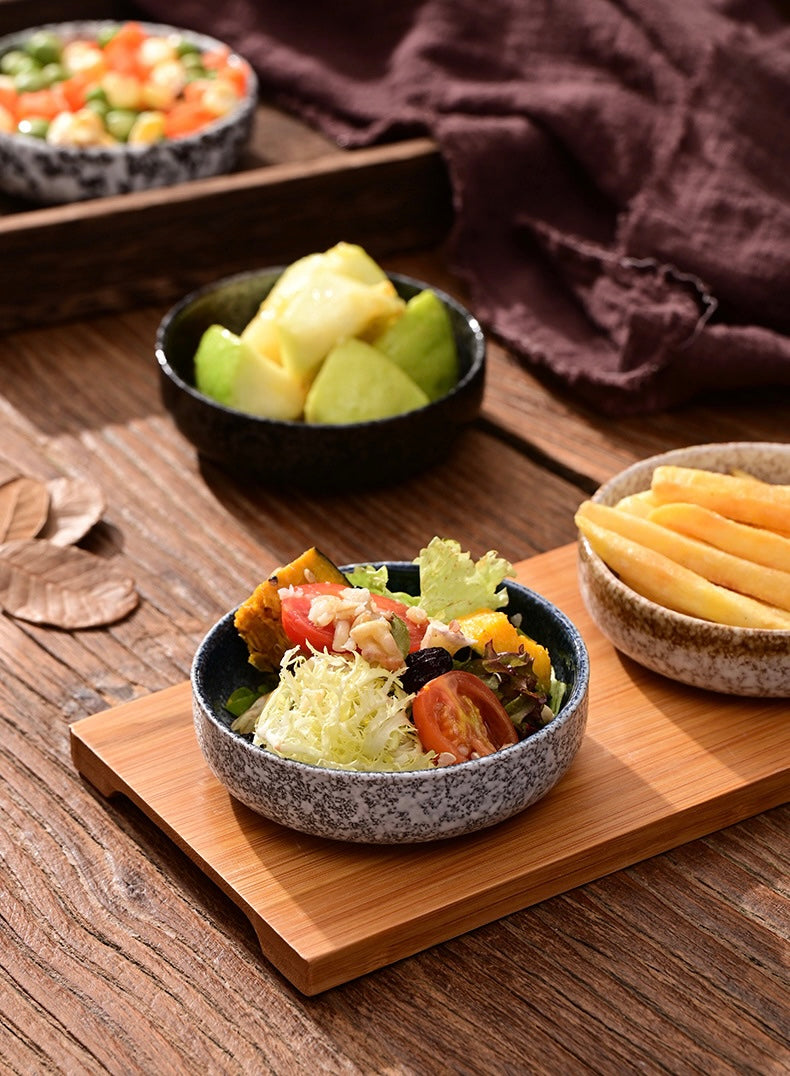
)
(258, 618)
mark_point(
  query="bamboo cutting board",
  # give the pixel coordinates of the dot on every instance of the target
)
(661, 764)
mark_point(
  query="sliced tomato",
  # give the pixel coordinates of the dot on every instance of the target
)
(458, 714)
(301, 630)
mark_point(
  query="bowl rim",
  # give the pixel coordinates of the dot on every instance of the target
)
(568, 710)
(98, 153)
(476, 365)
(650, 609)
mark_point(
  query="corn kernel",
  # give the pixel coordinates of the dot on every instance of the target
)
(81, 128)
(159, 98)
(169, 75)
(220, 97)
(147, 128)
(83, 57)
(122, 91)
(154, 50)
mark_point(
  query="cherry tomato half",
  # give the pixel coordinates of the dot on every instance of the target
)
(457, 713)
(301, 630)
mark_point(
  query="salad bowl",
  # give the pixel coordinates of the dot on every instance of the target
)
(50, 173)
(729, 660)
(393, 807)
(318, 458)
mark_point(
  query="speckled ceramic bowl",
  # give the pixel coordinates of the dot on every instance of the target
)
(320, 458)
(391, 808)
(734, 661)
(32, 169)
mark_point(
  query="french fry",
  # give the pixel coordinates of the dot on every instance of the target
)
(766, 584)
(743, 499)
(661, 580)
(638, 504)
(752, 477)
(756, 544)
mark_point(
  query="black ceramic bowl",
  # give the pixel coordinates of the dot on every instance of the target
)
(299, 454)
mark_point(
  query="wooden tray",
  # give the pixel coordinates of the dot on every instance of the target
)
(661, 764)
(110, 254)
(294, 192)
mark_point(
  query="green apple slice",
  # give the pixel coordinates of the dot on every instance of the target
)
(421, 342)
(330, 309)
(231, 372)
(357, 383)
(352, 260)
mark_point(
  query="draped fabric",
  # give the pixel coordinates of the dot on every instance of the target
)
(620, 168)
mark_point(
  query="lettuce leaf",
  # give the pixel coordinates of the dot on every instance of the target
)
(376, 580)
(452, 584)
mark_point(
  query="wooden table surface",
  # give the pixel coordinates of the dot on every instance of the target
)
(119, 955)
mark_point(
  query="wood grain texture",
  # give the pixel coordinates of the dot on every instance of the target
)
(293, 193)
(118, 954)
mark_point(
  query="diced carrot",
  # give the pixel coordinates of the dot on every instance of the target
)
(215, 58)
(130, 34)
(236, 75)
(124, 61)
(9, 100)
(194, 90)
(39, 104)
(122, 51)
(185, 118)
(72, 91)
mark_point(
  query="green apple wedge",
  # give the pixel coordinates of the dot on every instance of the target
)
(357, 383)
(352, 260)
(347, 259)
(230, 371)
(331, 308)
(421, 342)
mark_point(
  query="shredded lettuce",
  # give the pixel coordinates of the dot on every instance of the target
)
(452, 584)
(341, 712)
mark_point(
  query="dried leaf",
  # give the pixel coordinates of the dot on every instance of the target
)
(75, 505)
(62, 586)
(24, 504)
(7, 472)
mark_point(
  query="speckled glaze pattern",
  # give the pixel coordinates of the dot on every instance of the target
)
(391, 808)
(733, 661)
(32, 169)
(313, 457)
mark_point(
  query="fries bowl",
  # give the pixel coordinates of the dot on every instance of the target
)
(733, 660)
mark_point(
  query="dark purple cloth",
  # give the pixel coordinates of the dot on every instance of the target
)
(620, 168)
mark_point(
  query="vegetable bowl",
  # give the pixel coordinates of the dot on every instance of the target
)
(90, 109)
(281, 451)
(388, 806)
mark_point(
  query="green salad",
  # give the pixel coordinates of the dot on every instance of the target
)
(358, 676)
